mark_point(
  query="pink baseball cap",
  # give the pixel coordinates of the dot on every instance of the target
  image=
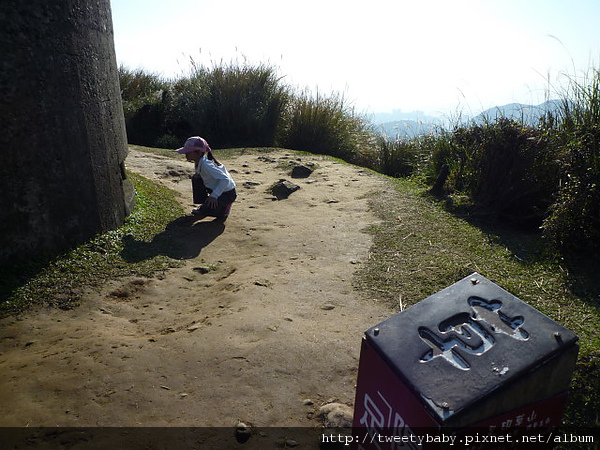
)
(194, 144)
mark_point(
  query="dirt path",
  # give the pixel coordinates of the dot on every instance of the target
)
(261, 324)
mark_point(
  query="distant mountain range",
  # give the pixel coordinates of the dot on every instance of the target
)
(404, 124)
(408, 125)
(528, 114)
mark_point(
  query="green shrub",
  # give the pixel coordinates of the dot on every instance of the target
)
(139, 88)
(326, 125)
(231, 105)
(398, 157)
(168, 141)
(506, 168)
(146, 124)
(239, 105)
(437, 151)
(142, 95)
(574, 222)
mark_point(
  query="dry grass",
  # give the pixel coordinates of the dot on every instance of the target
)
(420, 248)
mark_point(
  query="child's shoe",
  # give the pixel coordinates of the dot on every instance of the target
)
(199, 211)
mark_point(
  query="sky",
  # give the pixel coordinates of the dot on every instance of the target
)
(441, 57)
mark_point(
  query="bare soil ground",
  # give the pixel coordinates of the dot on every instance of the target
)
(261, 324)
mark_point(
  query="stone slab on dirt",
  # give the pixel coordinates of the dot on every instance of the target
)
(260, 325)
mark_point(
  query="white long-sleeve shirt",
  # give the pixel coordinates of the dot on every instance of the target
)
(215, 177)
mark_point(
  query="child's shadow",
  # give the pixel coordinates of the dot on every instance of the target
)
(183, 238)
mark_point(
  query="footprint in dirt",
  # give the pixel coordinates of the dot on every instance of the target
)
(183, 238)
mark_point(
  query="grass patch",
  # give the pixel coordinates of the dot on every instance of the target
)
(420, 248)
(58, 281)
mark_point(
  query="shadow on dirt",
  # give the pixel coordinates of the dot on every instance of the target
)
(183, 238)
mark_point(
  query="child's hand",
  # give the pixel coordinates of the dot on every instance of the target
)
(211, 202)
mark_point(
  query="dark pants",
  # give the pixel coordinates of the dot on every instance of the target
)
(200, 194)
(224, 204)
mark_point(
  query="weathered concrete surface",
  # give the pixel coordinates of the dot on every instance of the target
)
(63, 138)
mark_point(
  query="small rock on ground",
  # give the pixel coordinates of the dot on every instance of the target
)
(336, 415)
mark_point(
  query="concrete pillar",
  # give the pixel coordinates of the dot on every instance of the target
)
(63, 141)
